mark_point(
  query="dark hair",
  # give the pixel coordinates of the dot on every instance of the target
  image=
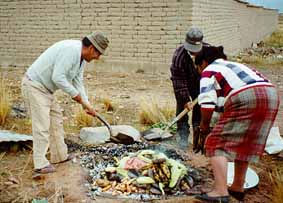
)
(86, 42)
(210, 54)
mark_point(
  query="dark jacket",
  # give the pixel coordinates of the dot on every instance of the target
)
(184, 75)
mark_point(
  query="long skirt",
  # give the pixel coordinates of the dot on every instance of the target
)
(243, 128)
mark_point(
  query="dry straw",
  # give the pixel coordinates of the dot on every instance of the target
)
(151, 112)
(108, 105)
(82, 118)
(276, 178)
(275, 40)
(5, 102)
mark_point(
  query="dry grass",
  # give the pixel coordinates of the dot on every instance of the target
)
(151, 113)
(82, 119)
(275, 40)
(262, 61)
(103, 105)
(108, 117)
(5, 102)
(276, 178)
(19, 125)
(108, 105)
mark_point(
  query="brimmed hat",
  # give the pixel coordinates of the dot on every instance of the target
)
(99, 41)
(193, 41)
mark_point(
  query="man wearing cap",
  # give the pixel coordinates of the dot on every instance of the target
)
(185, 79)
(61, 66)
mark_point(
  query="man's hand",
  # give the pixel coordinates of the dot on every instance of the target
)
(78, 99)
(87, 107)
(91, 111)
(189, 106)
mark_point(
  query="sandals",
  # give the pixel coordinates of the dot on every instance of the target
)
(50, 168)
(69, 158)
(237, 195)
(219, 199)
(47, 169)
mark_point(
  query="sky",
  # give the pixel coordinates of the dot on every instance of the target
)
(277, 4)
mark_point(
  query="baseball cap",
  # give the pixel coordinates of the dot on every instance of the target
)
(193, 42)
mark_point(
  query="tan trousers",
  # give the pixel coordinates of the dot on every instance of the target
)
(47, 123)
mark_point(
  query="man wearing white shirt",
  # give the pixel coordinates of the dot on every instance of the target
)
(61, 66)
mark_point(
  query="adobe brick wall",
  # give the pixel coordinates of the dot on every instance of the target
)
(139, 31)
(233, 24)
(142, 32)
(280, 24)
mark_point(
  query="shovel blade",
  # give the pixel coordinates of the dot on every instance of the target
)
(124, 138)
(156, 134)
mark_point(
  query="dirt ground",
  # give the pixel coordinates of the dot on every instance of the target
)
(125, 89)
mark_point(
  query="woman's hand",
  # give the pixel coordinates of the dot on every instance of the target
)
(189, 106)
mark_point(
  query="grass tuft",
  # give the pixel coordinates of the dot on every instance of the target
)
(5, 102)
(82, 118)
(275, 40)
(262, 61)
(108, 105)
(276, 178)
(151, 113)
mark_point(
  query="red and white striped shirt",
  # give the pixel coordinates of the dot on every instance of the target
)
(222, 78)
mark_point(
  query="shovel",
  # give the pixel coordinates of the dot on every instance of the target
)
(119, 137)
(157, 133)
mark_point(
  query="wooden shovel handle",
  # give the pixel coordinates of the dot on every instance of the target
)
(180, 115)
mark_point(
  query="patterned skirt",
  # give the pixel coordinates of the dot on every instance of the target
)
(242, 129)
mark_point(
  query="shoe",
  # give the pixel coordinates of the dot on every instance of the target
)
(47, 169)
(69, 158)
(237, 195)
(219, 199)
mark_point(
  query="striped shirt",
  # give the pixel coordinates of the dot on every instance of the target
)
(221, 78)
(184, 75)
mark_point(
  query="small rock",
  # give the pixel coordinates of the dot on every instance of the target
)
(251, 52)
(105, 157)
(8, 183)
(125, 96)
(13, 186)
(88, 76)
(193, 191)
(140, 70)
(13, 180)
(254, 45)
(155, 191)
(97, 135)
(74, 160)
